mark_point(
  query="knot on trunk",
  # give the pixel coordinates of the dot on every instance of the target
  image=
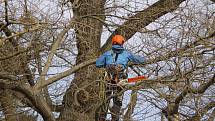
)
(81, 96)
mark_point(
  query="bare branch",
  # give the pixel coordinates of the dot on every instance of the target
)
(6, 11)
(20, 33)
(212, 116)
(4, 28)
(52, 53)
(35, 99)
(202, 111)
(63, 74)
(143, 18)
(16, 53)
(187, 90)
(203, 87)
(131, 106)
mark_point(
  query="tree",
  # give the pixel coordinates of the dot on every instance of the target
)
(48, 54)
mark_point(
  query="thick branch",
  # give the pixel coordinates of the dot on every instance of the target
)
(4, 28)
(204, 86)
(187, 90)
(7, 76)
(143, 18)
(52, 53)
(63, 74)
(131, 106)
(8, 106)
(212, 116)
(202, 111)
(21, 33)
(37, 100)
(6, 11)
(27, 103)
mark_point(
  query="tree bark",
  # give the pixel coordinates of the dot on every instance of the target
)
(82, 90)
(8, 105)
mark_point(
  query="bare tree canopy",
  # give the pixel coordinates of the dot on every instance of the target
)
(48, 51)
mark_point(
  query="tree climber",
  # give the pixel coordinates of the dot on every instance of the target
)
(115, 62)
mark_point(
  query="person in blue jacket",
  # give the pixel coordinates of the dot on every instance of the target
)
(116, 61)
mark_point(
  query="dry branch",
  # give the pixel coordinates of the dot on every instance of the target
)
(142, 19)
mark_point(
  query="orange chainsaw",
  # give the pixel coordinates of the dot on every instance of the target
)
(130, 80)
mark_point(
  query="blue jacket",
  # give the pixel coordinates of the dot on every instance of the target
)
(123, 57)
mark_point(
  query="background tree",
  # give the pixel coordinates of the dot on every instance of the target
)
(48, 50)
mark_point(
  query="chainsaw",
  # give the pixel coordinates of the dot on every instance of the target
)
(127, 81)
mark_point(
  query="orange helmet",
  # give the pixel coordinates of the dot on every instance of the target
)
(118, 40)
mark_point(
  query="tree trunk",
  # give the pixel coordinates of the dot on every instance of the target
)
(81, 99)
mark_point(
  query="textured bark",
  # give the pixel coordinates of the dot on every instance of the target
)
(8, 105)
(88, 32)
(36, 99)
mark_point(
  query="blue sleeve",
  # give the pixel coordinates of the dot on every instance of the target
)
(136, 59)
(100, 62)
